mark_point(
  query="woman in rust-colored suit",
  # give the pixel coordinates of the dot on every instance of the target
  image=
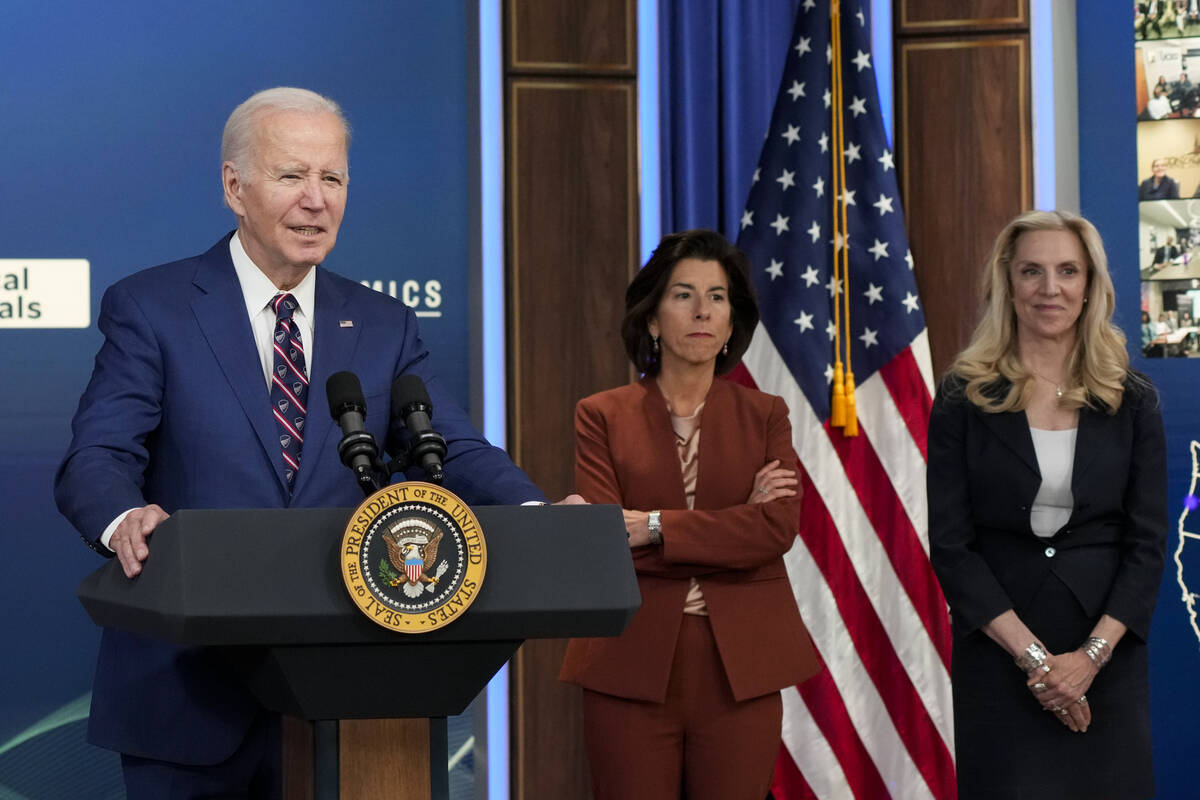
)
(687, 699)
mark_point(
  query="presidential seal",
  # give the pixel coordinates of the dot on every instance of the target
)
(413, 557)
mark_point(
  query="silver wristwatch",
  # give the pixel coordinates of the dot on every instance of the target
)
(654, 525)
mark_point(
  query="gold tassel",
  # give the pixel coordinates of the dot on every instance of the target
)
(851, 426)
(837, 417)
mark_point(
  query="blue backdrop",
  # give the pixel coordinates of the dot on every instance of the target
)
(111, 117)
(1108, 179)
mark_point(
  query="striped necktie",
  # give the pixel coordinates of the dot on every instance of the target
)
(289, 385)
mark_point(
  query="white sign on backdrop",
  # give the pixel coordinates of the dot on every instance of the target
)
(424, 298)
(45, 293)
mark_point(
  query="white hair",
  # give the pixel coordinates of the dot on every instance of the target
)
(238, 137)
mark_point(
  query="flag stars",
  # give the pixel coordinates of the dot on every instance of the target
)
(884, 204)
(814, 231)
(827, 98)
(858, 106)
(862, 60)
(868, 338)
(908, 259)
(853, 153)
(808, 5)
(796, 91)
(862, 20)
(780, 224)
(828, 54)
(834, 287)
(874, 294)
(829, 370)
(787, 179)
(747, 219)
(886, 160)
(910, 302)
(831, 332)
(803, 46)
(757, 175)
(819, 186)
(792, 134)
(775, 269)
(849, 197)
(810, 276)
(879, 250)
(804, 321)
(824, 142)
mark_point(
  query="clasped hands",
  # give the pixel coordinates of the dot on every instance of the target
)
(1061, 686)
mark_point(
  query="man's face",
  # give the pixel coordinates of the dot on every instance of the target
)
(1158, 168)
(290, 206)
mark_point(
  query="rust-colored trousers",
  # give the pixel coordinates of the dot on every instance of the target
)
(700, 744)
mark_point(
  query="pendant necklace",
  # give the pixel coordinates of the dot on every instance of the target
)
(1058, 392)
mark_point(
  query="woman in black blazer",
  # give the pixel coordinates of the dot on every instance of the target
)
(1047, 507)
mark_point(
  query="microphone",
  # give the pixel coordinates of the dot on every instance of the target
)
(357, 448)
(426, 446)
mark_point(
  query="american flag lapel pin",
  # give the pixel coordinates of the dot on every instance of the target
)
(345, 323)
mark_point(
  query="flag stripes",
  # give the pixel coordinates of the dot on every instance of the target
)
(860, 568)
(885, 693)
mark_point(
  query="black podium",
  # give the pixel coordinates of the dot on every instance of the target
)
(275, 605)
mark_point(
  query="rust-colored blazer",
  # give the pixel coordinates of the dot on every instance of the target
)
(625, 453)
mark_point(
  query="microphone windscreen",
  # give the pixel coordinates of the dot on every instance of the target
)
(410, 390)
(345, 394)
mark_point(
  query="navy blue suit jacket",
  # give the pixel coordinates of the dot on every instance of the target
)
(177, 413)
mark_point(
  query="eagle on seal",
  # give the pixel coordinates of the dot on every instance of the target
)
(412, 554)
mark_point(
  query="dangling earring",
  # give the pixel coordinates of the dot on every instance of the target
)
(725, 349)
(653, 344)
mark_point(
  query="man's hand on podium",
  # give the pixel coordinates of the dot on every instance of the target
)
(129, 539)
(572, 500)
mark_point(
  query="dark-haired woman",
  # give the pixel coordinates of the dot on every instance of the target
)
(687, 699)
(1047, 527)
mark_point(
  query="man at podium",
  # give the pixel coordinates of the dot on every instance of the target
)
(209, 392)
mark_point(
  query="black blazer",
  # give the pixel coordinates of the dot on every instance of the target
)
(982, 478)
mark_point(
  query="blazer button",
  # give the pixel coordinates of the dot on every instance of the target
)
(1050, 551)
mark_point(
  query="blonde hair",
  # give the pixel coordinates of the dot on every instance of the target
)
(1099, 362)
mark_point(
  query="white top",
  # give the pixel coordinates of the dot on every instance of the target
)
(1056, 460)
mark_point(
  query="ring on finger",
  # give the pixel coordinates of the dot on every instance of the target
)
(762, 490)
(1062, 712)
(1082, 700)
(1038, 687)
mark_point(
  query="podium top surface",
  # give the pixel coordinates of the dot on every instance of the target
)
(272, 577)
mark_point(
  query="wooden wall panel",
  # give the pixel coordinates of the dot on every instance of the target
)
(571, 169)
(597, 35)
(964, 147)
(573, 249)
(938, 15)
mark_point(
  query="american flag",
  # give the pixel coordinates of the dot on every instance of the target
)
(876, 722)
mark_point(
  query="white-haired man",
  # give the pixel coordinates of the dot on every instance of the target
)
(208, 393)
